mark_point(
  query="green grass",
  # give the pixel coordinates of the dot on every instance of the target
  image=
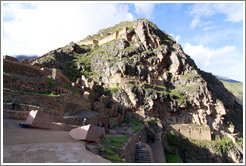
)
(17, 102)
(138, 124)
(48, 93)
(85, 47)
(235, 88)
(111, 155)
(116, 141)
(172, 158)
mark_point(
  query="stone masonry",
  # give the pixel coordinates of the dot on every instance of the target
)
(118, 34)
(197, 132)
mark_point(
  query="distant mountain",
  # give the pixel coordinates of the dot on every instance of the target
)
(29, 57)
(235, 87)
(226, 79)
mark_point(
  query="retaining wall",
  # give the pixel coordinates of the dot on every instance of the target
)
(24, 83)
(24, 69)
(68, 104)
(118, 34)
(128, 149)
(197, 132)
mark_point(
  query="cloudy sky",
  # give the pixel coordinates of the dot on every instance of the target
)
(211, 33)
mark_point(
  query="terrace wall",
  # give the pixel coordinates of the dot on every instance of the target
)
(197, 132)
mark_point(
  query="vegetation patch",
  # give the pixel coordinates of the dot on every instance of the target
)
(48, 93)
(116, 141)
(172, 158)
(236, 89)
(137, 123)
(17, 102)
(110, 155)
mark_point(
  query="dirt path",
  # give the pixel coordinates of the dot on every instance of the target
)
(157, 149)
(30, 145)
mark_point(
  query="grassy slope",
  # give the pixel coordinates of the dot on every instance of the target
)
(236, 89)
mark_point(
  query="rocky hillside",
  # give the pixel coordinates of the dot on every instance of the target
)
(148, 72)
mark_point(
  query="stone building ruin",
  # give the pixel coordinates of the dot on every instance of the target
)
(122, 34)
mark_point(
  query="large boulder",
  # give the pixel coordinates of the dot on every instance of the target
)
(39, 119)
(88, 133)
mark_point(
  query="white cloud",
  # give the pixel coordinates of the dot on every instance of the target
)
(208, 28)
(224, 61)
(49, 25)
(144, 9)
(203, 55)
(232, 11)
(195, 22)
(175, 37)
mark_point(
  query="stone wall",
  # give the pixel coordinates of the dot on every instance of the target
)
(108, 38)
(21, 107)
(118, 34)
(64, 104)
(197, 132)
(123, 33)
(87, 42)
(59, 77)
(26, 77)
(24, 69)
(22, 83)
(128, 149)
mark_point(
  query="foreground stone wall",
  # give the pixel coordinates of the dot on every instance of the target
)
(197, 132)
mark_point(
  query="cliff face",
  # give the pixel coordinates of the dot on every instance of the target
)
(146, 71)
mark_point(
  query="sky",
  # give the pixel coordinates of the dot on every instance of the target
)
(212, 34)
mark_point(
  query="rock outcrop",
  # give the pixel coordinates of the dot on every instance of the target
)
(148, 73)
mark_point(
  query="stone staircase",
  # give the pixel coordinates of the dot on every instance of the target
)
(142, 155)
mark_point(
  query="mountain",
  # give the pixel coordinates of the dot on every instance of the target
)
(146, 71)
(29, 57)
(235, 87)
(227, 79)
